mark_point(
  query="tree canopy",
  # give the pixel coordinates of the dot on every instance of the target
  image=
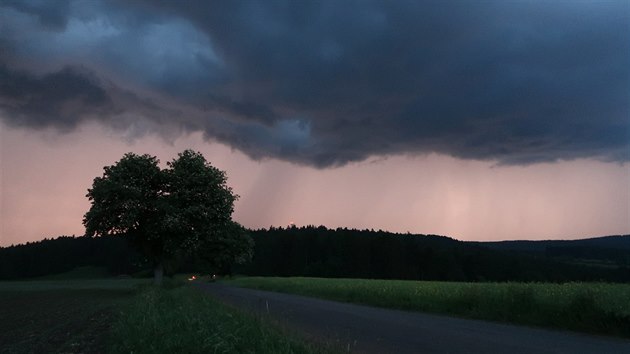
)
(185, 208)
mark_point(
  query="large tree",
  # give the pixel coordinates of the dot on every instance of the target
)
(185, 208)
(230, 245)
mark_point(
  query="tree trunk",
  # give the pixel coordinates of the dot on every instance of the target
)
(158, 274)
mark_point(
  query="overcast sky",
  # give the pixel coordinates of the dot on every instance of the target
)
(478, 120)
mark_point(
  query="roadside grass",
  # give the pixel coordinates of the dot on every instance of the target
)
(597, 308)
(184, 320)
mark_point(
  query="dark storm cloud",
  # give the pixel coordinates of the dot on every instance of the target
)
(327, 82)
(51, 14)
(61, 99)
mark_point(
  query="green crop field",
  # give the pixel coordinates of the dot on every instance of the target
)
(587, 307)
(130, 316)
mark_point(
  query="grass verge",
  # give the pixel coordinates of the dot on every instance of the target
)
(586, 307)
(183, 320)
(129, 316)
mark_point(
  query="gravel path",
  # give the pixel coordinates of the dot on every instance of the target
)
(364, 329)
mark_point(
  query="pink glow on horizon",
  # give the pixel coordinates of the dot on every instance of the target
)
(44, 178)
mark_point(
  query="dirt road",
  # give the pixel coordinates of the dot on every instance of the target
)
(363, 329)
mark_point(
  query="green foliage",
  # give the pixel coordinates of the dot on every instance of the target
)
(228, 246)
(183, 320)
(166, 213)
(126, 199)
(199, 201)
(588, 307)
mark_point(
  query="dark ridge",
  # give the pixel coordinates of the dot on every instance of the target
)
(342, 252)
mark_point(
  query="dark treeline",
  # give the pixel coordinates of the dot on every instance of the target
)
(66, 253)
(322, 252)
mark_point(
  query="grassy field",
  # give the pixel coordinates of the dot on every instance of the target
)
(129, 316)
(587, 307)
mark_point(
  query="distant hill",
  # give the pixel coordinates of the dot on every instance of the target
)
(322, 252)
(606, 251)
(619, 242)
(318, 251)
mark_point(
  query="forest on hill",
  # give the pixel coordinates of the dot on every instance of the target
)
(350, 253)
(64, 253)
(318, 251)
